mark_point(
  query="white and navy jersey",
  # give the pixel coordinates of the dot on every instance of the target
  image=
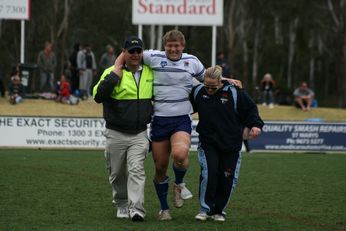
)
(173, 82)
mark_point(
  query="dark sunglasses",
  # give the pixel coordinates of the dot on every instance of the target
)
(211, 88)
(137, 50)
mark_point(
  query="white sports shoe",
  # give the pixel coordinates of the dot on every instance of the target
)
(202, 216)
(164, 215)
(185, 193)
(177, 199)
(218, 217)
(123, 212)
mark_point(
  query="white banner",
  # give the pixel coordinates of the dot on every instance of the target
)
(52, 132)
(178, 12)
(15, 9)
(58, 132)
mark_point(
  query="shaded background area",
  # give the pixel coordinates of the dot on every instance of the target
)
(293, 40)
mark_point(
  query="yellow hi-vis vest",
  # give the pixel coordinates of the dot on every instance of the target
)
(127, 106)
(127, 88)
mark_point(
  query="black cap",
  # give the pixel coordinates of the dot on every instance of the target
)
(133, 42)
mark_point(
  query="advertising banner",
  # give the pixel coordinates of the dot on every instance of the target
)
(177, 12)
(52, 132)
(301, 136)
(87, 133)
(15, 9)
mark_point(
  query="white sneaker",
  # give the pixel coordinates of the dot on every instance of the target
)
(177, 199)
(185, 193)
(264, 104)
(165, 215)
(123, 212)
(271, 105)
(202, 216)
(218, 217)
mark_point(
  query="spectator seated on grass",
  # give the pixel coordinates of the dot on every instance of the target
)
(16, 90)
(303, 97)
(63, 92)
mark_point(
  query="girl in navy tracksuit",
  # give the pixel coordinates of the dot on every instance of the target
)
(223, 111)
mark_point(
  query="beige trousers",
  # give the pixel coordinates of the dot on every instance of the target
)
(125, 154)
(85, 81)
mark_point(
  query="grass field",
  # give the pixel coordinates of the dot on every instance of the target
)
(88, 108)
(68, 190)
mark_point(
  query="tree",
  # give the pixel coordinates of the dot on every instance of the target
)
(337, 11)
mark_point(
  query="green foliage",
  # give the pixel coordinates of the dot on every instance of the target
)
(68, 190)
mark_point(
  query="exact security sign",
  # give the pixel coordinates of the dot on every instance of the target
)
(301, 136)
(52, 132)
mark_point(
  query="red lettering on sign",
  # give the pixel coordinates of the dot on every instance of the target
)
(184, 8)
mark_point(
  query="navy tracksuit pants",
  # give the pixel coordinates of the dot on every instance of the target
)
(219, 176)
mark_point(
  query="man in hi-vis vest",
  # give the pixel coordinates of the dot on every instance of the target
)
(125, 92)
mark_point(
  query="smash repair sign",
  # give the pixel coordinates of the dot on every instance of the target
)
(301, 136)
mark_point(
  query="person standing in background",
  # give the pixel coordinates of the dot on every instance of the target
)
(86, 64)
(222, 62)
(108, 58)
(46, 62)
(74, 68)
(267, 88)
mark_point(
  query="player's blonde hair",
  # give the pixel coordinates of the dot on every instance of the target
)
(172, 36)
(214, 72)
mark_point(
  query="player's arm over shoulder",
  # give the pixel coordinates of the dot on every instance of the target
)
(149, 56)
